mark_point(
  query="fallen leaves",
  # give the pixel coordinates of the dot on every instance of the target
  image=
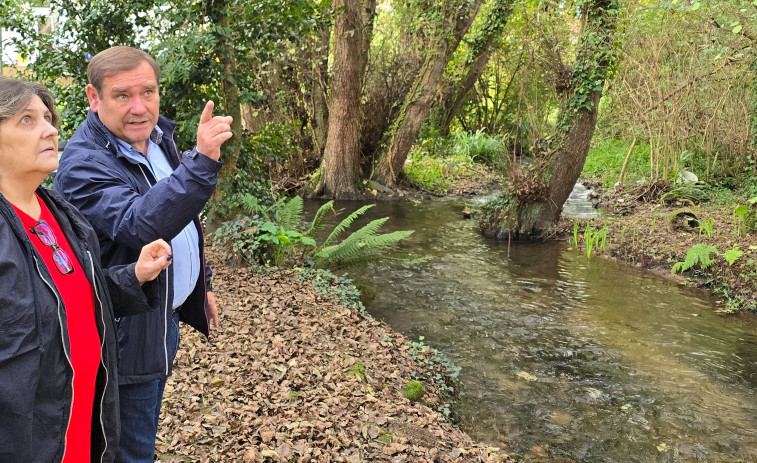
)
(280, 383)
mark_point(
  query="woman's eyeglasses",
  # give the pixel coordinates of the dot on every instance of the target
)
(47, 237)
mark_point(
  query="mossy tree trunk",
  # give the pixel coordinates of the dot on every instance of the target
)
(456, 17)
(219, 14)
(536, 195)
(341, 159)
(481, 49)
(318, 90)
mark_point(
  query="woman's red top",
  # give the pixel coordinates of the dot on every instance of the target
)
(78, 299)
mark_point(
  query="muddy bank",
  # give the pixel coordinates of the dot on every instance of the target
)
(655, 234)
(298, 373)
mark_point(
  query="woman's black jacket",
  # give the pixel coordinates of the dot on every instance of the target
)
(35, 371)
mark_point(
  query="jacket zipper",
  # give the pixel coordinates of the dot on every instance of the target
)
(63, 342)
(202, 240)
(165, 305)
(102, 345)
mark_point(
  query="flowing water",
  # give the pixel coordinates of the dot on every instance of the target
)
(566, 358)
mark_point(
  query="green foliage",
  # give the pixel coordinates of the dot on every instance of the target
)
(693, 192)
(359, 247)
(592, 239)
(595, 61)
(57, 58)
(733, 254)
(739, 219)
(479, 147)
(273, 235)
(238, 239)
(336, 287)
(605, 160)
(201, 47)
(357, 369)
(706, 227)
(697, 254)
(436, 367)
(436, 162)
(278, 235)
(431, 173)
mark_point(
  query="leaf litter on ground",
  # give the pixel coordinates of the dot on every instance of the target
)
(273, 384)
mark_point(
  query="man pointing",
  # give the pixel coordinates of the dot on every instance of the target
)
(123, 171)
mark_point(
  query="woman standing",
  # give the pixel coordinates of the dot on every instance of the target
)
(58, 388)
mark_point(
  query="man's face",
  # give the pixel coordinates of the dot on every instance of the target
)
(128, 105)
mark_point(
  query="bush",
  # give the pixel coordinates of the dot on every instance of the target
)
(274, 235)
(238, 239)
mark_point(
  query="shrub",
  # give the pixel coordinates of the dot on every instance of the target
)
(274, 235)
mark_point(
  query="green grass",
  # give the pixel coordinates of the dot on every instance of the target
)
(436, 162)
(605, 160)
(479, 147)
(435, 173)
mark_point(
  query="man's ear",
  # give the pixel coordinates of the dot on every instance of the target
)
(93, 97)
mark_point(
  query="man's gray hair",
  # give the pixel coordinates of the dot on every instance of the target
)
(116, 60)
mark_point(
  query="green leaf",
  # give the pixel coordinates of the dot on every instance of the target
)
(269, 227)
(737, 29)
(697, 254)
(733, 254)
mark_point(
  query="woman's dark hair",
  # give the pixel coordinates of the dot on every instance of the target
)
(15, 94)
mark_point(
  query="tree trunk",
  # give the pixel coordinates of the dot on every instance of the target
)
(341, 160)
(230, 95)
(455, 23)
(481, 51)
(537, 196)
(318, 85)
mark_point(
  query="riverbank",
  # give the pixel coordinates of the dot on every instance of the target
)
(298, 373)
(708, 243)
(648, 225)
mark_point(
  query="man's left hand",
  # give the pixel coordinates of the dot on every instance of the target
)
(212, 311)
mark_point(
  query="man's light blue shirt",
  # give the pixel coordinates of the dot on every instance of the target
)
(185, 246)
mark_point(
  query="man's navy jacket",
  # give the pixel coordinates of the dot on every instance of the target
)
(128, 208)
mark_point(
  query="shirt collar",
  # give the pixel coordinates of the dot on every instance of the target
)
(156, 137)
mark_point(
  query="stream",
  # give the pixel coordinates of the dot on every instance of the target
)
(569, 358)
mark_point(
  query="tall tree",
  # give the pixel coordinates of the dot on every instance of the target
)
(341, 158)
(59, 56)
(535, 198)
(480, 50)
(451, 20)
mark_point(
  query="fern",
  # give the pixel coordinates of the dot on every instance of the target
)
(251, 205)
(349, 244)
(733, 254)
(697, 254)
(318, 219)
(355, 251)
(279, 238)
(343, 225)
(289, 215)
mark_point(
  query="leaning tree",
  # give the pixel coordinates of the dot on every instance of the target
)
(535, 196)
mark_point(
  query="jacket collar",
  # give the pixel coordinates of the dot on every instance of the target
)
(54, 202)
(104, 137)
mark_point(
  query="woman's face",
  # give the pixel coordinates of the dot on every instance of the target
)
(29, 142)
